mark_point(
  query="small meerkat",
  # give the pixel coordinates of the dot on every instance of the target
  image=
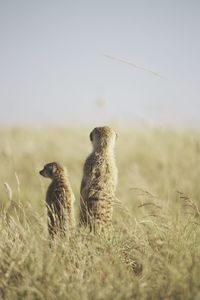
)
(59, 199)
(99, 181)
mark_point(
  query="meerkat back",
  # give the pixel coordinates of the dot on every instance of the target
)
(99, 181)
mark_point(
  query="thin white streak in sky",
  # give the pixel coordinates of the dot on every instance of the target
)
(133, 65)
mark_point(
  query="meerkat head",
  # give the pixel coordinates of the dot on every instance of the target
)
(51, 170)
(103, 137)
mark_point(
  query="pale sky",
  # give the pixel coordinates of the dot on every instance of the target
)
(52, 68)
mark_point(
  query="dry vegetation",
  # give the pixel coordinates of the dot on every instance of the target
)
(154, 251)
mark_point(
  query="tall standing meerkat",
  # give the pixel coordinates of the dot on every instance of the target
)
(99, 181)
(59, 199)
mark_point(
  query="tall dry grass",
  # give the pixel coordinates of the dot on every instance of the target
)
(154, 250)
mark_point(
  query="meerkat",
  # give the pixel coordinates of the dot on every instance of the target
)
(99, 181)
(59, 199)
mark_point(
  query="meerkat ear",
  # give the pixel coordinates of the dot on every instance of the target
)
(91, 136)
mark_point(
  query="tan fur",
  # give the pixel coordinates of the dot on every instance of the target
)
(59, 199)
(99, 181)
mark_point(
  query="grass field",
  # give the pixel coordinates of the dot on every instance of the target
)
(154, 251)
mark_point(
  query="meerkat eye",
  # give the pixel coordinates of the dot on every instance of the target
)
(49, 167)
(46, 167)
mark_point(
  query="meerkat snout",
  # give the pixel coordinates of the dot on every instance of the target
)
(42, 173)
